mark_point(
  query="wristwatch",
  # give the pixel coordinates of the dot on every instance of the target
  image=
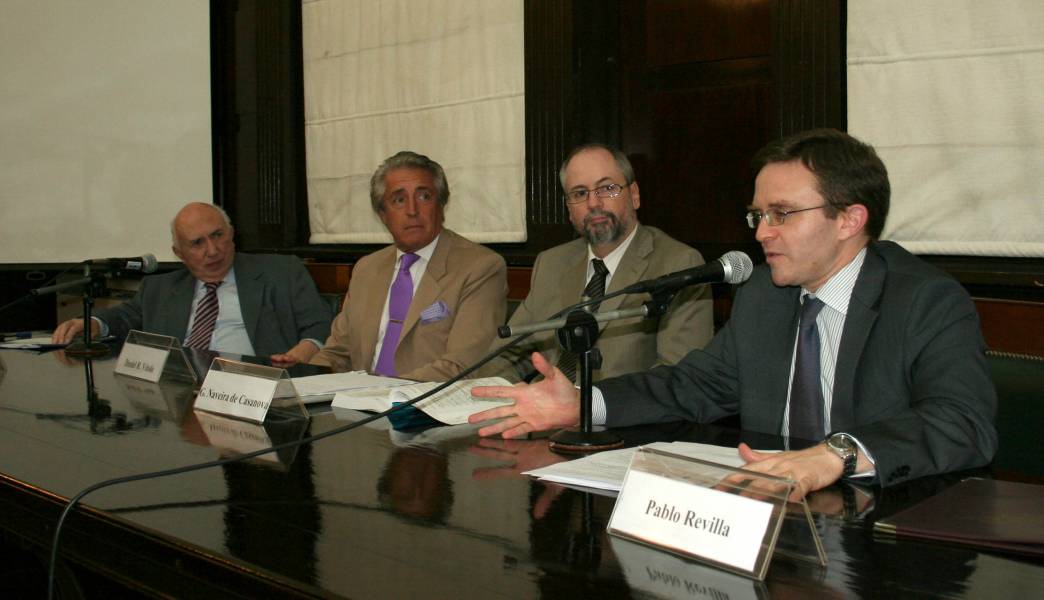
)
(844, 446)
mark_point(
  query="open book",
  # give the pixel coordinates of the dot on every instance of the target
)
(452, 405)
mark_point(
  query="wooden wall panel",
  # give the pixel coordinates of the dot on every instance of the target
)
(1012, 326)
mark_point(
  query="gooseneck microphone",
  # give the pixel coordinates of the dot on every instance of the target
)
(146, 263)
(733, 267)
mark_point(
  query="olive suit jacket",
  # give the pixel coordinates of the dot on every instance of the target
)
(453, 316)
(627, 345)
(277, 297)
(911, 381)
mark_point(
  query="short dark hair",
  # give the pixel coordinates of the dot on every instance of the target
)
(621, 161)
(406, 159)
(847, 171)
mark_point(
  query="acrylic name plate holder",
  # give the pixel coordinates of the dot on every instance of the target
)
(722, 516)
(150, 356)
(247, 391)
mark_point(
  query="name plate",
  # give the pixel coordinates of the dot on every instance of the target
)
(143, 362)
(240, 396)
(692, 520)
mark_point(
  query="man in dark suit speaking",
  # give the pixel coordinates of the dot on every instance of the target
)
(263, 305)
(839, 339)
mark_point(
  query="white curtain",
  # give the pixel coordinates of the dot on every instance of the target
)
(951, 93)
(439, 77)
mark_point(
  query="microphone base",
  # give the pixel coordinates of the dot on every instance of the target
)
(574, 441)
(82, 349)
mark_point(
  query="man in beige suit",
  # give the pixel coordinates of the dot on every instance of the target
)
(602, 197)
(458, 287)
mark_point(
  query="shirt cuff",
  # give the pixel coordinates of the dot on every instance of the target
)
(317, 343)
(103, 329)
(597, 407)
(862, 450)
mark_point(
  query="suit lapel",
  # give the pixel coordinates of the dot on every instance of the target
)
(251, 289)
(781, 311)
(179, 306)
(372, 303)
(430, 288)
(862, 314)
(574, 279)
(633, 266)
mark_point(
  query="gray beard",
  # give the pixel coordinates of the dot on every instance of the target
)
(603, 233)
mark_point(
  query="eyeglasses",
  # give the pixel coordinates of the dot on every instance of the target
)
(773, 216)
(609, 190)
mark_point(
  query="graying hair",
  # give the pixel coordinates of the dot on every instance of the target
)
(621, 161)
(407, 160)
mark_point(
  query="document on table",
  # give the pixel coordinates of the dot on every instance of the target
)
(606, 470)
(452, 406)
(320, 388)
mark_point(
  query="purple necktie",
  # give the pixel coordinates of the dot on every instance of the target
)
(206, 317)
(398, 306)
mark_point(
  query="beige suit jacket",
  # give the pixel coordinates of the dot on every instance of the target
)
(558, 280)
(469, 279)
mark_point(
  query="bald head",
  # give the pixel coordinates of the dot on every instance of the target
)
(202, 237)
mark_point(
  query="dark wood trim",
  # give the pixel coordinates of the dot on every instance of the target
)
(1012, 326)
(810, 64)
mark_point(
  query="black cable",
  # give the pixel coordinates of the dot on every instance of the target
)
(307, 440)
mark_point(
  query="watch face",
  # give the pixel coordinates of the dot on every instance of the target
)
(841, 443)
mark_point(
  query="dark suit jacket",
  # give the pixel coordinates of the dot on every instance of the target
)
(627, 345)
(470, 282)
(278, 299)
(911, 381)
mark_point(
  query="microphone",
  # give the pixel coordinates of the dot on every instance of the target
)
(145, 263)
(733, 267)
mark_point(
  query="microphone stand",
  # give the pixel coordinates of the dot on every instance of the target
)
(579, 335)
(92, 283)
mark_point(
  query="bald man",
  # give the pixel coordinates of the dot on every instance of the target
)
(266, 304)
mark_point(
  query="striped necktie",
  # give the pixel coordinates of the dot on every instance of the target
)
(206, 317)
(567, 363)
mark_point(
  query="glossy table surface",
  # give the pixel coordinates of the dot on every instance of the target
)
(375, 513)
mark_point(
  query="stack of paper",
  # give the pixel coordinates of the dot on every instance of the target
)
(320, 388)
(606, 470)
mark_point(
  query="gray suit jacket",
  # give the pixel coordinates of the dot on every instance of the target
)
(278, 299)
(470, 282)
(628, 345)
(911, 381)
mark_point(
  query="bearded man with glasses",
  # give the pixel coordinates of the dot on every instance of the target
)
(613, 251)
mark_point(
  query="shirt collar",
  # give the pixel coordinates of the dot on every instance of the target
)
(424, 253)
(612, 260)
(230, 279)
(837, 290)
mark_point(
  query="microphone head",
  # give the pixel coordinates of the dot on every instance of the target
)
(149, 263)
(737, 267)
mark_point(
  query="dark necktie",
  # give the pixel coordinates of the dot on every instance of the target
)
(206, 317)
(806, 393)
(595, 289)
(398, 305)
